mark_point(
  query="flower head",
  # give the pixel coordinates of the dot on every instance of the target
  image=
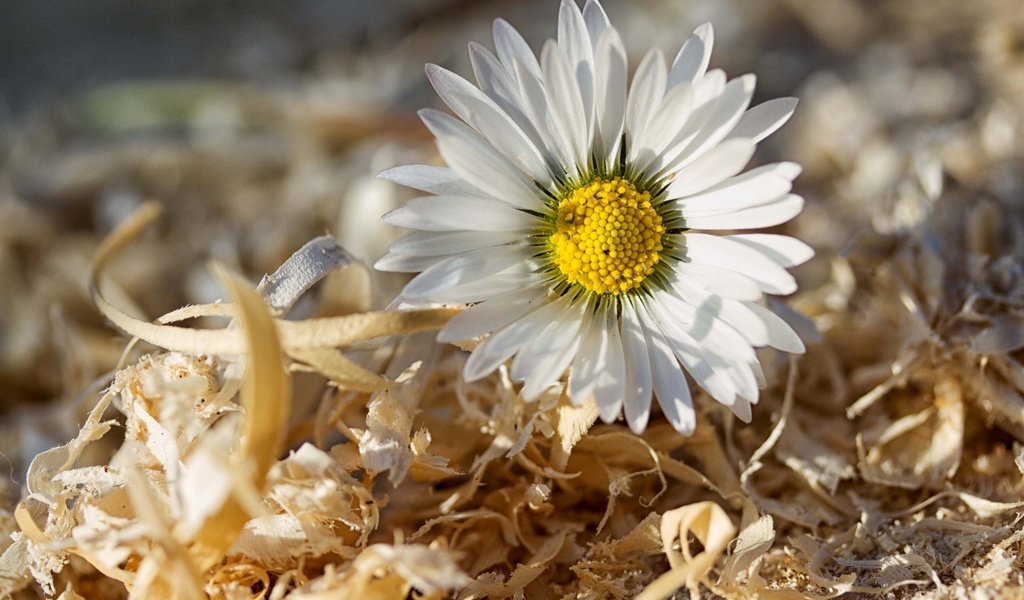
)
(578, 217)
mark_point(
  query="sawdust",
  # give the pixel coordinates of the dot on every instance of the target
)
(292, 440)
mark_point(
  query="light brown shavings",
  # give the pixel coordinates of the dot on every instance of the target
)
(909, 130)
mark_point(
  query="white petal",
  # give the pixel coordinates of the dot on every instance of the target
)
(789, 170)
(464, 268)
(417, 250)
(755, 367)
(489, 120)
(762, 120)
(728, 109)
(565, 101)
(487, 317)
(800, 323)
(713, 334)
(406, 263)
(502, 86)
(439, 243)
(706, 92)
(574, 40)
(721, 282)
(736, 314)
(512, 48)
(780, 334)
(713, 167)
(784, 250)
(645, 94)
(543, 361)
(496, 285)
(693, 58)
(494, 78)
(430, 178)
(596, 20)
(609, 387)
(737, 193)
(723, 348)
(670, 387)
(689, 352)
(610, 94)
(721, 252)
(454, 213)
(662, 128)
(535, 103)
(638, 370)
(589, 360)
(709, 88)
(741, 408)
(502, 345)
(765, 215)
(478, 162)
(732, 312)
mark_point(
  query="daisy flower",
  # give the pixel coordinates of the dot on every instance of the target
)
(579, 219)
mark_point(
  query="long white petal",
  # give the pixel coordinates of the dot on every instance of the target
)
(574, 39)
(784, 250)
(723, 348)
(706, 92)
(610, 94)
(741, 408)
(693, 58)
(486, 317)
(712, 168)
(610, 384)
(455, 213)
(728, 109)
(780, 334)
(670, 387)
(638, 370)
(721, 252)
(732, 312)
(722, 282)
(406, 263)
(565, 101)
(489, 120)
(464, 268)
(662, 128)
(535, 104)
(766, 215)
(431, 179)
(690, 353)
(496, 285)
(512, 48)
(478, 162)
(735, 194)
(494, 78)
(645, 94)
(498, 348)
(596, 20)
(589, 360)
(503, 87)
(549, 354)
(762, 120)
(439, 243)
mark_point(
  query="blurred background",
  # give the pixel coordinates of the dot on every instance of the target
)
(261, 124)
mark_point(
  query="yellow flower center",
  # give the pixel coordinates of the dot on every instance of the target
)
(607, 237)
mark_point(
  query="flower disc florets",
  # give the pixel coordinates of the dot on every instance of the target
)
(608, 236)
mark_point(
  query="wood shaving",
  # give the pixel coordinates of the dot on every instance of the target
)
(294, 439)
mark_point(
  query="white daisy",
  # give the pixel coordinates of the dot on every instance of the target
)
(578, 219)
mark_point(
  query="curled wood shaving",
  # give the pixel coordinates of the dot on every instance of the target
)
(711, 527)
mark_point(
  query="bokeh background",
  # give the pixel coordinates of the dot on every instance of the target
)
(261, 124)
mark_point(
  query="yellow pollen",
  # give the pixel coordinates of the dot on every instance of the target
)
(607, 237)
